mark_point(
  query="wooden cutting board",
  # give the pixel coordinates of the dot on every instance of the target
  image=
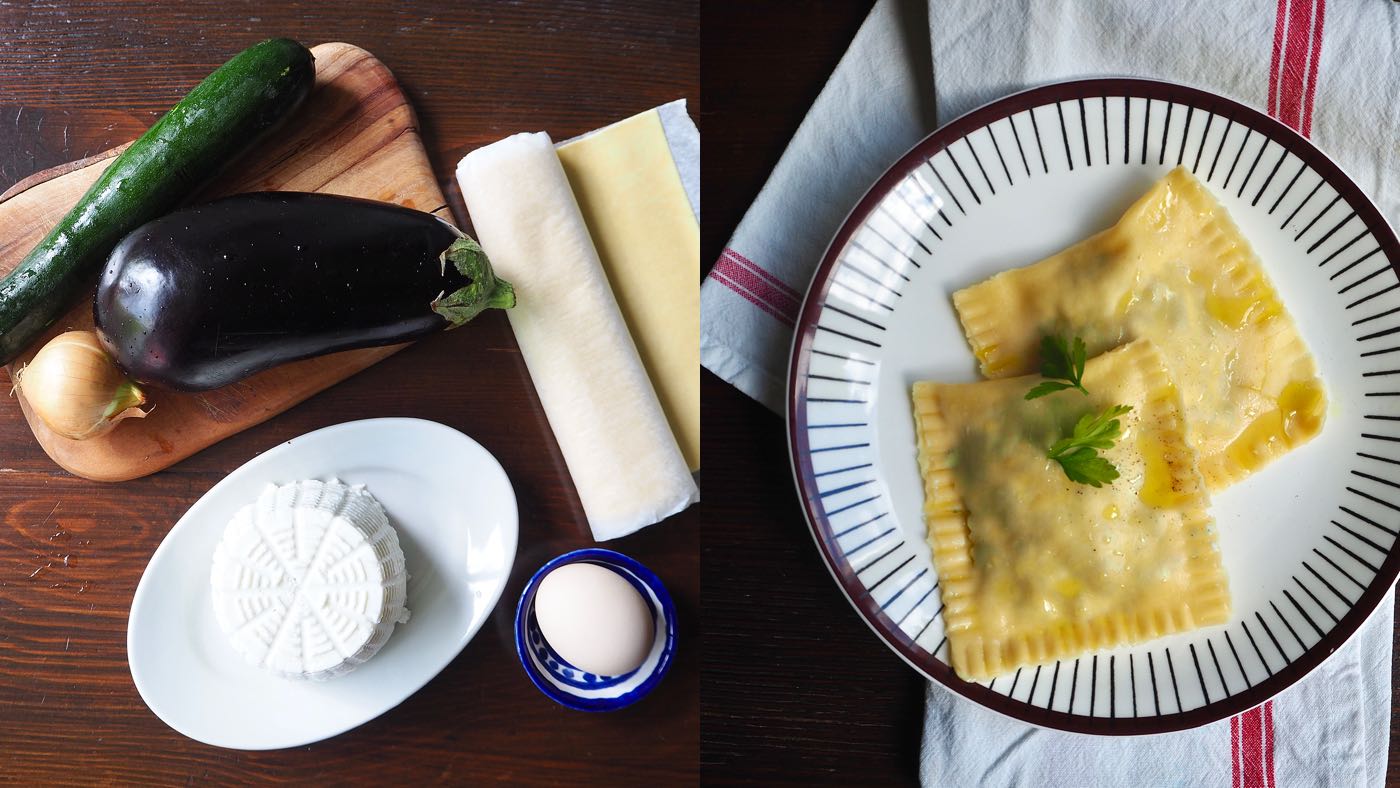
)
(356, 135)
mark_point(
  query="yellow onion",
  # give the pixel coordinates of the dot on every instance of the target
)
(76, 389)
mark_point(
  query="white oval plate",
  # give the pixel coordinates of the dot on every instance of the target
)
(455, 513)
(1308, 542)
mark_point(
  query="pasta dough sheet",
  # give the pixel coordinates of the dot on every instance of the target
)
(619, 448)
(648, 239)
(1034, 567)
(1175, 270)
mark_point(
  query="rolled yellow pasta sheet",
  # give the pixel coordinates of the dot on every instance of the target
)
(621, 453)
(630, 192)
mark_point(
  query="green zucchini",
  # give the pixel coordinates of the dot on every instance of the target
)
(222, 117)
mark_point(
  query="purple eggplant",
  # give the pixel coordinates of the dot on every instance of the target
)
(212, 294)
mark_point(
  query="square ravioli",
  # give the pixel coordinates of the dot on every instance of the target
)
(1034, 567)
(1177, 271)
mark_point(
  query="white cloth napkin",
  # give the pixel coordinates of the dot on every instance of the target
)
(1328, 71)
(872, 110)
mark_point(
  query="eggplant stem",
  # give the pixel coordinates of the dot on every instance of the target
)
(483, 291)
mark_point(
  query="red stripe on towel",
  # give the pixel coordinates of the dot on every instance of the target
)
(758, 284)
(739, 290)
(1252, 748)
(1235, 751)
(1269, 743)
(781, 296)
(1294, 67)
(1318, 16)
(1296, 71)
(775, 281)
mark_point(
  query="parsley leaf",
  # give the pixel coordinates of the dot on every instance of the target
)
(1085, 466)
(1060, 362)
(1078, 454)
(1047, 387)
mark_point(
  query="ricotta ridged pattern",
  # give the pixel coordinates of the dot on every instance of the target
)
(309, 580)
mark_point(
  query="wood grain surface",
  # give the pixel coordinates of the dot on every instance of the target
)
(797, 689)
(356, 136)
(77, 78)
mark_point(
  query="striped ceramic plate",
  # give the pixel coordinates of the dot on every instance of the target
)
(1309, 543)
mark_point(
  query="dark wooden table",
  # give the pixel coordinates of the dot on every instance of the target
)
(796, 687)
(79, 77)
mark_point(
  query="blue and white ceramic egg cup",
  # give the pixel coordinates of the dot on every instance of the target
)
(573, 687)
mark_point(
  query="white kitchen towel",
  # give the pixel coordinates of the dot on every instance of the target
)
(1330, 72)
(876, 105)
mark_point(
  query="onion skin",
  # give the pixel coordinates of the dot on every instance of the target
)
(76, 389)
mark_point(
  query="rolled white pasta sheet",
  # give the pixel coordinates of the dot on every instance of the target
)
(620, 451)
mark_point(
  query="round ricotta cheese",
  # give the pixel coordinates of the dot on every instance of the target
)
(309, 580)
